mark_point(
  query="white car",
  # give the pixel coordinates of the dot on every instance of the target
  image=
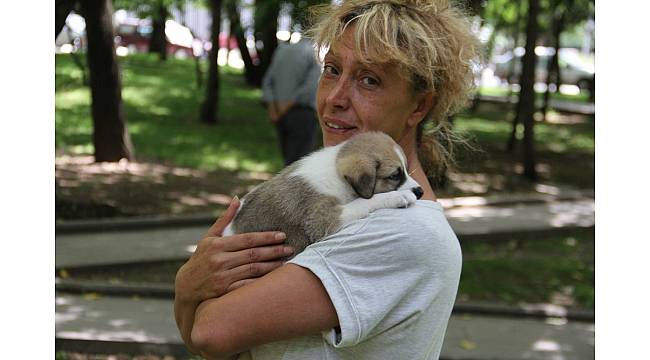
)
(575, 68)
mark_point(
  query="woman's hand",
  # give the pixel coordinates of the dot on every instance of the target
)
(276, 110)
(222, 264)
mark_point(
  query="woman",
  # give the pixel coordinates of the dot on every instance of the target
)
(383, 287)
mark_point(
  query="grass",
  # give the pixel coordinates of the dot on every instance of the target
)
(582, 97)
(161, 103)
(492, 126)
(564, 152)
(554, 269)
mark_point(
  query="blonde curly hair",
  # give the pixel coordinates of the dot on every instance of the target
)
(432, 43)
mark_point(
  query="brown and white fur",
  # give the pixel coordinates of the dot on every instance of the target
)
(317, 195)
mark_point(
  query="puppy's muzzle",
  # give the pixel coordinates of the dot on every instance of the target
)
(417, 191)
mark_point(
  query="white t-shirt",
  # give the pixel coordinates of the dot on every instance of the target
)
(392, 278)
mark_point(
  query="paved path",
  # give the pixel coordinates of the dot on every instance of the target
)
(151, 244)
(150, 322)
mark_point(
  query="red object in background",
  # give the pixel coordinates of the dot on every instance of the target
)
(225, 44)
(134, 35)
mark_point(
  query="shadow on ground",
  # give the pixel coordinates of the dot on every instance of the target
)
(85, 189)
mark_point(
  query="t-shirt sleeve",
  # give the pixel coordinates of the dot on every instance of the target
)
(379, 272)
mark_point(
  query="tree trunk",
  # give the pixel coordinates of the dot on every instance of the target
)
(553, 67)
(209, 108)
(527, 94)
(158, 40)
(62, 8)
(512, 140)
(511, 71)
(268, 28)
(250, 70)
(110, 136)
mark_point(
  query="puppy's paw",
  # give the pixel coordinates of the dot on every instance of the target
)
(399, 199)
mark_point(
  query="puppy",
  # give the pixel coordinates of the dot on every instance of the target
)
(318, 194)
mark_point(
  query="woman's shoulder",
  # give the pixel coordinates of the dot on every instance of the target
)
(423, 226)
(425, 217)
(421, 230)
(422, 212)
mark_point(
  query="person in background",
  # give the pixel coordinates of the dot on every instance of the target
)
(289, 91)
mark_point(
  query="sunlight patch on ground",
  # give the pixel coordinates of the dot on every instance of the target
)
(255, 175)
(71, 99)
(547, 189)
(72, 171)
(580, 213)
(566, 119)
(546, 345)
(470, 183)
(87, 165)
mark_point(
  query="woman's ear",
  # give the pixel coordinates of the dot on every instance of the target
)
(423, 106)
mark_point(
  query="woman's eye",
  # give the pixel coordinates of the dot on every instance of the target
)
(369, 81)
(330, 70)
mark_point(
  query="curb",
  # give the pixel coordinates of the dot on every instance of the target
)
(177, 350)
(162, 291)
(206, 219)
(523, 310)
(528, 234)
(165, 291)
(119, 224)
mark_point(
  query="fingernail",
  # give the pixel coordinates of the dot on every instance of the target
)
(288, 250)
(235, 200)
(280, 236)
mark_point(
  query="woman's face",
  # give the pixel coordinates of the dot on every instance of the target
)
(354, 97)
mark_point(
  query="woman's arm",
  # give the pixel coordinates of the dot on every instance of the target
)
(289, 302)
(222, 264)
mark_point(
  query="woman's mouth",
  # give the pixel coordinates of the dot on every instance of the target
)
(337, 126)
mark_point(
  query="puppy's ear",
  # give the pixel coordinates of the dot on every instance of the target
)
(363, 179)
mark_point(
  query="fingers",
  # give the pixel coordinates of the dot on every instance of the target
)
(251, 240)
(238, 284)
(257, 254)
(217, 228)
(250, 271)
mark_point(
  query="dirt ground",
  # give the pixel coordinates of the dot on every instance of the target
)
(86, 190)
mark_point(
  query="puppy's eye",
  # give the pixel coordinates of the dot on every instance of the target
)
(396, 176)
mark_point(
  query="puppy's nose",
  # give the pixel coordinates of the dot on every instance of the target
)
(418, 192)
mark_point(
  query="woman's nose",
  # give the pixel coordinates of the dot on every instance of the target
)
(339, 94)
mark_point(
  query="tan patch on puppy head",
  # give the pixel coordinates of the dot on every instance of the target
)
(368, 162)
